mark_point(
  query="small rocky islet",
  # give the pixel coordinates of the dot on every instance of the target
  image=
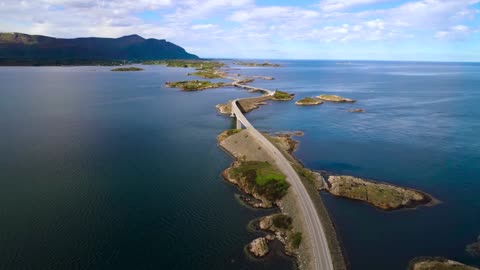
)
(437, 263)
(308, 101)
(127, 69)
(356, 110)
(282, 96)
(335, 98)
(381, 195)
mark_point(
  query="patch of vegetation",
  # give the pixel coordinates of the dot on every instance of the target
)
(281, 95)
(282, 221)
(227, 133)
(296, 240)
(127, 69)
(305, 173)
(253, 64)
(262, 178)
(195, 85)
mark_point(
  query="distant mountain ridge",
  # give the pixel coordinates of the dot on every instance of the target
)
(24, 49)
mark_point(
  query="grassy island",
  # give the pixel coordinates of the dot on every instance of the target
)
(253, 64)
(261, 178)
(335, 98)
(127, 69)
(207, 74)
(196, 85)
(280, 95)
(309, 101)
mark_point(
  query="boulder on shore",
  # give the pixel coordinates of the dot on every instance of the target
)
(258, 247)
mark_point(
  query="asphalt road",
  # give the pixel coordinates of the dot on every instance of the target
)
(321, 259)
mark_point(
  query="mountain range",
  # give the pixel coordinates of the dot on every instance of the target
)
(24, 49)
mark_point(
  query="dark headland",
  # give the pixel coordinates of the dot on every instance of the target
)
(17, 49)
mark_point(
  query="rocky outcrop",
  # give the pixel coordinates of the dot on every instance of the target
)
(261, 180)
(284, 140)
(308, 102)
(380, 195)
(246, 105)
(335, 98)
(281, 226)
(474, 248)
(227, 133)
(437, 263)
(356, 110)
(225, 108)
(282, 96)
(259, 247)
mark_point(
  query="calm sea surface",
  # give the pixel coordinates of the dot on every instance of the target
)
(105, 170)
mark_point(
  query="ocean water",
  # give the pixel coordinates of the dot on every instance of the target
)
(104, 170)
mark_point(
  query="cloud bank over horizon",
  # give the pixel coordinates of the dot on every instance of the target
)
(432, 30)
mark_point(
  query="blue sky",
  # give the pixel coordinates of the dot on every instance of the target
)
(422, 30)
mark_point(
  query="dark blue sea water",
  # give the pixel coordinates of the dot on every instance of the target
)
(104, 170)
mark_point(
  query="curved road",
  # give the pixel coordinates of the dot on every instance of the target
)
(321, 257)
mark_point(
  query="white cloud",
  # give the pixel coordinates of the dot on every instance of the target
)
(337, 5)
(223, 27)
(454, 33)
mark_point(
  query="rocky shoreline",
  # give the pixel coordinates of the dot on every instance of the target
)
(437, 263)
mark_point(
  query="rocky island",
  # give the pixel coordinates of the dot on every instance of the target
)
(282, 96)
(356, 110)
(196, 85)
(380, 195)
(308, 101)
(335, 98)
(126, 69)
(437, 263)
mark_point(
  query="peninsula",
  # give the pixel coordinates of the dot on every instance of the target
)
(23, 49)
